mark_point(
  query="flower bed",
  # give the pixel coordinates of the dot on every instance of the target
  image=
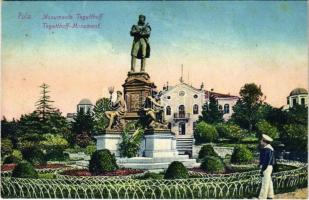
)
(10, 167)
(85, 172)
(50, 166)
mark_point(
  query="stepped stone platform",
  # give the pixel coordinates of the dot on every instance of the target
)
(148, 163)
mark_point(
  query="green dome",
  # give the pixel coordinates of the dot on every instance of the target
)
(85, 102)
(298, 91)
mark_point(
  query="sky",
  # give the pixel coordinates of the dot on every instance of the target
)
(223, 44)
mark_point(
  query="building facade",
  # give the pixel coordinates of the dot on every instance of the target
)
(226, 102)
(183, 106)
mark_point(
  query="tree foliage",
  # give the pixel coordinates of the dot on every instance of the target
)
(295, 137)
(246, 109)
(6, 147)
(43, 105)
(100, 120)
(264, 127)
(211, 112)
(83, 123)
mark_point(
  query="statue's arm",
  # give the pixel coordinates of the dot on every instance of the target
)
(156, 103)
(146, 31)
(134, 30)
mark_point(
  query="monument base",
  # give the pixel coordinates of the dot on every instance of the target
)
(109, 141)
(159, 143)
(157, 150)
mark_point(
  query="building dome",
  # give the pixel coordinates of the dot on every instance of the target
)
(85, 102)
(298, 91)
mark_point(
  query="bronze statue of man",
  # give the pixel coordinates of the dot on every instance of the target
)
(140, 47)
(119, 110)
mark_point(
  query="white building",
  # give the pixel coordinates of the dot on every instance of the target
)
(183, 106)
(225, 101)
(297, 96)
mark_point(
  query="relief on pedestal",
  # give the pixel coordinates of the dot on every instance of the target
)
(134, 102)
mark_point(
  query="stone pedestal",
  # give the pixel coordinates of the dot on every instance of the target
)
(159, 143)
(109, 141)
(136, 88)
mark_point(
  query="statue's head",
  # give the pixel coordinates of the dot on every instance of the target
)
(119, 93)
(141, 19)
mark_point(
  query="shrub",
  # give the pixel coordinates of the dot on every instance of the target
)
(263, 127)
(294, 137)
(30, 140)
(56, 155)
(15, 157)
(102, 161)
(206, 150)
(241, 155)
(130, 145)
(34, 155)
(11, 159)
(152, 175)
(205, 133)
(212, 164)
(6, 147)
(17, 154)
(223, 130)
(90, 149)
(236, 133)
(176, 170)
(24, 170)
(54, 142)
(83, 140)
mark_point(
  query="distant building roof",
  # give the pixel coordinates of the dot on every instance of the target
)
(169, 88)
(218, 95)
(298, 91)
(85, 102)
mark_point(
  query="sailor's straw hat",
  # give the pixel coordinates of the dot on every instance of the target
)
(267, 138)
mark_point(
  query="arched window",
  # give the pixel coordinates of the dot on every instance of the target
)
(195, 109)
(226, 108)
(168, 110)
(181, 111)
(220, 107)
(302, 101)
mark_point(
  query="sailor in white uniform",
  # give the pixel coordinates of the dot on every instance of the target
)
(267, 161)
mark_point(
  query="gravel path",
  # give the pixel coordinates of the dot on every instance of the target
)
(298, 194)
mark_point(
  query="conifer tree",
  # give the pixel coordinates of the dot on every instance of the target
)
(43, 105)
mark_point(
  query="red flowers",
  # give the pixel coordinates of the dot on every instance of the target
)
(85, 172)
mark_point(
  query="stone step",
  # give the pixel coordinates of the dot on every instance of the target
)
(146, 160)
(158, 165)
(189, 163)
